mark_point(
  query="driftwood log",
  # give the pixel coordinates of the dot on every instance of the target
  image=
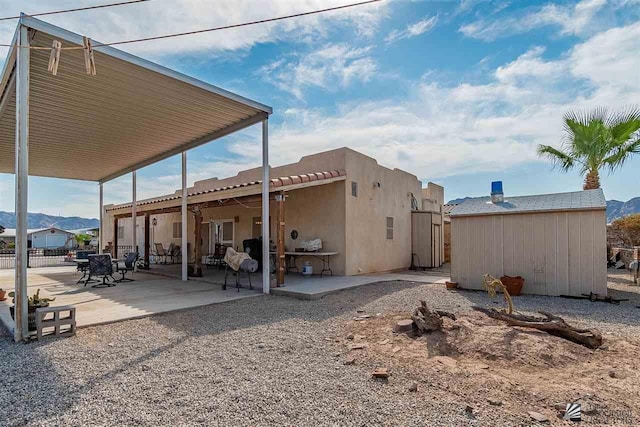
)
(427, 320)
(551, 324)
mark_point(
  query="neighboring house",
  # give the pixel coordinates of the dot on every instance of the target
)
(51, 238)
(94, 232)
(361, 210)
(42, 238)
(557, 242)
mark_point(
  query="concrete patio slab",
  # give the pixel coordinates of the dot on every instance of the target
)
(147, 295)
(313, 288)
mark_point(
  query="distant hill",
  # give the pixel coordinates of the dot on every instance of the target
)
(615, 208)
(39, 220)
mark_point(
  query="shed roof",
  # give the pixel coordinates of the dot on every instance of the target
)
(131, 114)
(573, 201)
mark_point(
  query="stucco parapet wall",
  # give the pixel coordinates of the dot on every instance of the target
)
(239, 190)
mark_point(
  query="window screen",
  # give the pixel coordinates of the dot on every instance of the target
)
(354, 189)
(120, 232)
(389, 227)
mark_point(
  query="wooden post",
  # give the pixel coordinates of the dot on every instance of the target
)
(114, 250)
(197, 266)
(280, 257)
(147, 245)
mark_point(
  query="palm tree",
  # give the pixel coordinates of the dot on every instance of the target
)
(594, 140)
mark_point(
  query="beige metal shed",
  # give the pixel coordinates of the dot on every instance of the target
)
(557, 242)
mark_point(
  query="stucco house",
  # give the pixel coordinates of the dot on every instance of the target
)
(557, 242)
(360, 210)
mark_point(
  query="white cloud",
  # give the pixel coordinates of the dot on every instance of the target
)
(170, 16)
(330, 67)
(413, 30)
(577, 20)
(446, 131)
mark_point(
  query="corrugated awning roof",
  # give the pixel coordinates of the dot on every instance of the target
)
(131, 114)
(577, 200)
(281, 183)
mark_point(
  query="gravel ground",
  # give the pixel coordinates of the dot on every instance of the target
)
(259, 361)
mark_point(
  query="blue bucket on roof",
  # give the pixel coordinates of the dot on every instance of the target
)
(497, 196)
(496, 187)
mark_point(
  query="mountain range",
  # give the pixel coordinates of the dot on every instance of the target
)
(615, 208)
(39, 220)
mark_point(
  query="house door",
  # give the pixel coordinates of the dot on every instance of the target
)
(221, 232)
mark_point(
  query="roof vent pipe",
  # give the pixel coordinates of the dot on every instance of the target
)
(497, 196)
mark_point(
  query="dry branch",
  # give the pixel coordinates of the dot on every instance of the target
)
(427, 320)
(551, 324)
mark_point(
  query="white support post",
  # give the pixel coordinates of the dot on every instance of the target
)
(23, 61)
(266, 273)
(185, 254)
(100, 228)
(134, 221)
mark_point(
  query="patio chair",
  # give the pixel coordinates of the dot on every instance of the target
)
(101, 266)
(217, 258)
(171, 252)
(161, 253)
(83, 267)
(129, 264)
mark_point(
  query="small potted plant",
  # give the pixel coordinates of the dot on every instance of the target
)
(35, 302)
(3, 294)
(513, 284)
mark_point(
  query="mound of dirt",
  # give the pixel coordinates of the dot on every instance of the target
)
(478, 337)
(494, 367)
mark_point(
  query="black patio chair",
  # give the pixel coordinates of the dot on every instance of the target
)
(217, 258)
(101, 266)
(129, 264)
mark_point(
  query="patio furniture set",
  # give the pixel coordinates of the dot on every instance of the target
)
(95, 267)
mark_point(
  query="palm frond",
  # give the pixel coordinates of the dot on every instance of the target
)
(621, 154)
(561, 159)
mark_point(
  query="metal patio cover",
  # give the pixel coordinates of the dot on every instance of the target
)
(131, 114)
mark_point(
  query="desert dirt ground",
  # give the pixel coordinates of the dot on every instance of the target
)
(281, 361)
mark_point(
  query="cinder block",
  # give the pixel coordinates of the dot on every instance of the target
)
(63, 326)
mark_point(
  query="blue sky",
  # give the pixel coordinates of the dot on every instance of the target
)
(459, 93)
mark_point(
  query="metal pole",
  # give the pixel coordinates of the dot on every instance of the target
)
(134, 245)
(21, 330)
(185, 254)
(100, 246)
(265, 207)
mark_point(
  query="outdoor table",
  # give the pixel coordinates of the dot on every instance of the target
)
(325, 257)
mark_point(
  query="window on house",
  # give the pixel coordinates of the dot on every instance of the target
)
(389, 227)
(120, 232)
(177, 230)
(354, 189)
